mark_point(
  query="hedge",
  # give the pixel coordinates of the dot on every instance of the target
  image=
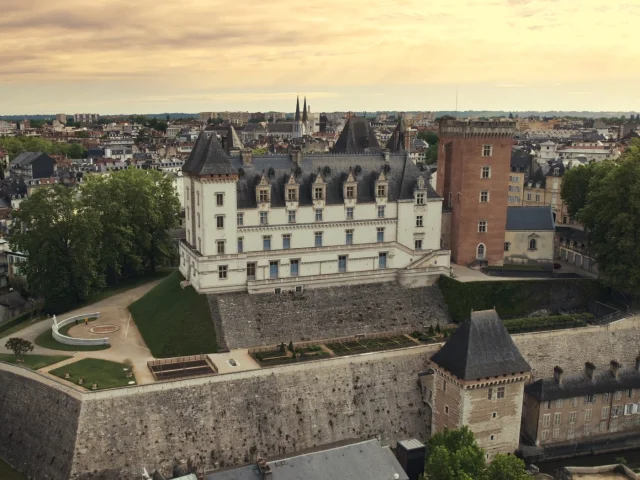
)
(513, 299)
(555, 322)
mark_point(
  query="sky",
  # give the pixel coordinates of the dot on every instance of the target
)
(149, 56)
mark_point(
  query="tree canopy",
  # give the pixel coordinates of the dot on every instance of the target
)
(17, 145)
(455, 455)
(431, 138)
(76, 242)
(605, 198)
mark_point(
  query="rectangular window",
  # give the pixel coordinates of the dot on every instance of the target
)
(263, 195)
(487, 150)
(613, 426)
(318, 239)
(222, 272)
(544, 435)
(351, 191)
(570, 432)
(382, 260)
(528, 195)
(349, 237)
(294, 267)
(286, 241)
(482, 226)
(590, 398)
(630, 393)
(486, 172)
(605, 397)
(500, 393)
(292, 216)
(318, 215)
(381, 191)
(317, 193)
(556, 433)
(220, 247)
(507, 246)
(266, 242)
(417, 245)
(342, 264)
(588, 413)
(484, 196)
(617, 395)
(603, 426)
(198, 219)
(559, 403)
(291, 194)
(220, 221)
(420, 198)
(490, 394)
(537, 197)
(240, 219)
(574, 402)
(251, 271)
(273, 269)
(220, 199)
(381, 211)
(572, 417)
(264, 218)
(557, 418)
(605, 413)
(380, 234)
(199, 245)
(188, 193)
(419, 221)
(349, 213)
(587, 429)
(547, 404)
(198, 198)
(240, 245)
(615, 410)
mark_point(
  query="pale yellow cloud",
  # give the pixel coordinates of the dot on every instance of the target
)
(205, 49)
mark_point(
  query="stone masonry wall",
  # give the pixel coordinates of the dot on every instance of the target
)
(231, 418)
(37, 427)
(269, 319)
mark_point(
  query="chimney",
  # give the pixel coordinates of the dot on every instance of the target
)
(387, 154)
(615, 368)
(246, 156)
(557, 374)
(589, 368)
(264, 468)
(296, 155)
(638, 363)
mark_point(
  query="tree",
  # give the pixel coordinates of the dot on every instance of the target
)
(454, 455)
(76, 150)
(18, 346)
(428, 136)
(61, 243)
(575, 185)
(506, 467)
(511, 115)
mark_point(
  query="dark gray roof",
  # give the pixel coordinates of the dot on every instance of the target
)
(396, 142)
(539, 219)
(280, 127)
(232, 140)
(580, 384)
(28, 157)
(481, 348)
(12, 299)
(357, 136)
(208, 157)
(365, 460)
(553, 165)
(402, 177)
(571, 233)
(520, 160)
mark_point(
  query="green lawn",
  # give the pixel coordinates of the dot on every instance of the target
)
(106, 374)
(174, 322)
(8, 473)
(34, 362)
(127, 284)
(9, 328)
(46, 340)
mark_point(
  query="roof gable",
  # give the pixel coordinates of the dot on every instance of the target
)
(357, 136)
(208, 157)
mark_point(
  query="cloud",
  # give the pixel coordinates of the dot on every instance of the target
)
(511, 85)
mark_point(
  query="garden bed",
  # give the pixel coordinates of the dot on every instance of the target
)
(370, 345)
(554, 322)
(283, 356)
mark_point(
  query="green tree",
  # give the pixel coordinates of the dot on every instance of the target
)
(575, 185)
(61, 242)
(76, 150)
(18, 346)
(454, 455)
(506, 467)
(428, 136)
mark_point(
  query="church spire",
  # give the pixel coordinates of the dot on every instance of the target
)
(304, 110)
(297, 110)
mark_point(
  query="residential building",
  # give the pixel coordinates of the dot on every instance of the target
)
(547, 151)
(174, 130)
(472, 177)
(529, 236)
(468, 383)
(366, 459)
(204, 117)
(237, 118)
(86, 117)
(12, 304)
(7, 128)
(61, 117)
(583, 408)
(571, 247)
(32, 165)
(283, 222)
(545, 188)
(589, 151)
(118, 152)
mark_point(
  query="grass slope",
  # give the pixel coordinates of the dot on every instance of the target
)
(103, 372)
(174, 322)
(34, 362)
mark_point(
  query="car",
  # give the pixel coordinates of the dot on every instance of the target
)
(557, 266)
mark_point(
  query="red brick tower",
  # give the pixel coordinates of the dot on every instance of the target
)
(472, 177)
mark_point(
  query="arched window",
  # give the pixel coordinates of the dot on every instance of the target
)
(480, 251)
(533, 244)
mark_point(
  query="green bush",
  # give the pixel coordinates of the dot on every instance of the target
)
(533, 324)
(512, 299)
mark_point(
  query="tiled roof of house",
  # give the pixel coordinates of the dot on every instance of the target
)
(534, 219)
(481, 348)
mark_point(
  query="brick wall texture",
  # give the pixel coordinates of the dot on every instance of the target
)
(269, 319)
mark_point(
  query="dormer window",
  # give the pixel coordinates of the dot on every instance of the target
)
(381, 191)
(319, 189)
(381, 187)
(351, 191)
(292, 195)
(318, 193)
(420, 198)
(263, 190)
(264, 195)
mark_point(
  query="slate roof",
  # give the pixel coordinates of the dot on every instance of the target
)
(481, 348)
(208, 157)
(571, 234)
(232, 140)
(580, 384)
(280, 127)
(357, 136)
(553, 164)
(396, 142)
(12, 299)
(28, 157)
(520, 160)
(402, 177)
(365, 460)
(538, 219)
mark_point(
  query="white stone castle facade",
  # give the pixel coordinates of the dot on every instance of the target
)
(284, 223)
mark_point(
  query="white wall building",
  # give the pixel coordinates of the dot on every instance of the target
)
(280, 223)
